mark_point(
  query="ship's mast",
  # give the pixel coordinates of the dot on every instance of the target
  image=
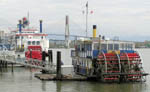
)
(86, 19)
(28, 20)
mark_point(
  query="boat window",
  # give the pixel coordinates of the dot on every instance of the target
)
(104, 46)
(130, 46)
(88, 47)
(96, 46)
(29, 42)
(17, 37)
(33, 42)
(122, 46)
(116, 46)
(126, 46)
(78, 47)
(110, 46)
(38, 42)
(82, 47)
(84, 63)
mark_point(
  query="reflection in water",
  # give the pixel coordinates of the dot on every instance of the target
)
(58, 86)
(3, 70)
(31, 74)
(43, 85)
(22, 77)
(22, 80)
(99, 87)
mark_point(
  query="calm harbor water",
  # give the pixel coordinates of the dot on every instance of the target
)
(22, 80)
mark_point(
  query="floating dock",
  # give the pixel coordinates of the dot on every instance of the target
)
(69, 77)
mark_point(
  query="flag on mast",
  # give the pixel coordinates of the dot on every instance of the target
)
(87, 19)
(25, 22)
(91, 12)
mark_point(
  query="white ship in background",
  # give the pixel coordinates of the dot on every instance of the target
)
(25, 36)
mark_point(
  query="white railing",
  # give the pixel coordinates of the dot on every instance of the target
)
(10, 58)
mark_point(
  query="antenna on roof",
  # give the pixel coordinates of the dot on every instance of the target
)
(87, 19)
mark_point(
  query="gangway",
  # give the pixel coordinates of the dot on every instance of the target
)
(9, 58)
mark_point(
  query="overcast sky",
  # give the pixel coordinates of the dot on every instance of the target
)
(128, 19)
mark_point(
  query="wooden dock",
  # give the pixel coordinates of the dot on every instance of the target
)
(53, 77)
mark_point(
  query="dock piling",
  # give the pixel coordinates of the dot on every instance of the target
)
(5, 64)
(58, 65)
(43, 60)
(12, 68)
(1, 64)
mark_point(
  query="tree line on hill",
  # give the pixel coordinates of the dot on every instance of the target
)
(145, 44)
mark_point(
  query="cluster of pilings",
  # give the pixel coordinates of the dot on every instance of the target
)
(50, 59)
(4, 65)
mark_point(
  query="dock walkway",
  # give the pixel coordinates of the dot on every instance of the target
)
(8, 57)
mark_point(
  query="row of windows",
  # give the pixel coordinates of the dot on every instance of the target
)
(88, 47)
(126, 46)
(84, 47)
(113, 46)
(110, 46)
(28, 32)
(35, 37)
(33, 42)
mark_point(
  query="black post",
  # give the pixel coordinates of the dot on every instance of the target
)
(12, 67)
(43, 60)
(58, 65)
(2, 64)
(43, 55)
(6, 65)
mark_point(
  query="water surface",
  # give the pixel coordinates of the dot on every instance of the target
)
(22, 80)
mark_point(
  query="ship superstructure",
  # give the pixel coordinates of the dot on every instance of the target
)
(30, 37)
